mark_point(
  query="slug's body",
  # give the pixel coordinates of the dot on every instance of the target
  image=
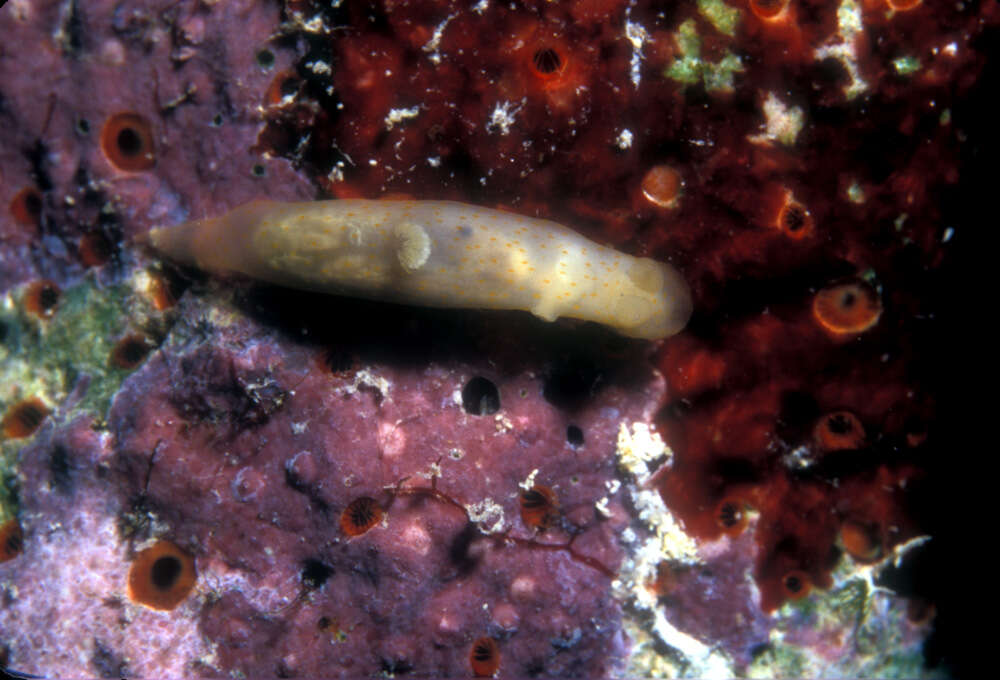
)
(436, 253)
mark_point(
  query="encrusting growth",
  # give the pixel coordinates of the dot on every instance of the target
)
(439, 254)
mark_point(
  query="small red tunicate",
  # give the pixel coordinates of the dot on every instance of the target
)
(337, 361)
(130, 350)
(847, 308)
(539, 507)
(547, 63)
(794, 220)
(731, 516)
(24, 418)
(11, 540)
(127, 141)
(161, 291)
(768, 9)
(796, 584)
(95, 249)
(161, 576)
(26, 206)
(285, 84)
(661, 186)
(839, 431)
(484, 657)
(916, 435)
(360, 515)
(920, 611)
(41, 298)
(861, 541)
(667, 580)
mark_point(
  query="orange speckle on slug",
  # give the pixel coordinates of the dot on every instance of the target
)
(11, 540)
(796, 584)
(127, 142)
(41, 298)
(484, 657)
(161, 576)
(661, 186)
(861, 541)
(839, 431)
(26, 206)
(847, 308)
(24, 418)
(360, 516)
(539, 507)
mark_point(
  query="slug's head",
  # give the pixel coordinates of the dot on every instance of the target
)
(657, 302)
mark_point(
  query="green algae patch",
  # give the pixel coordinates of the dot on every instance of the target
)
(864, 630)
(906, 66)
(62, 361)
(689, 68)
(720, 15)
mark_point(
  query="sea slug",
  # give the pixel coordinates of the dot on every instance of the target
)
(436, 253)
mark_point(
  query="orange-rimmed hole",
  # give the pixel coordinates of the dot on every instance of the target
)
(95, 249)
(768, 9)
(861, 541)
(547, 62)
(484, 657)
(41, 298)
(731, 515)
(794, 220)
(127, 141)
(661, 186)
(24, 418)
(285, 84)
(130, 350)
(338, 361)
(796, 584)
(902, 5)
(847, 308)
(26, 206)
(539, 507)
(161, 576)
(838, 431)
(11, 540)
(164, 289)
(920, 611)
(360, 516)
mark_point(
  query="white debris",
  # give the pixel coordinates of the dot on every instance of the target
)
(365, 378)
(502, 117)
(638, 36)
(396, 116)
(488, 515)
(320, 68)
(843, 49)
(782, 122)
(434, 43)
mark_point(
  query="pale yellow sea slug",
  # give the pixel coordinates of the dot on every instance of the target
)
(436, 253)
